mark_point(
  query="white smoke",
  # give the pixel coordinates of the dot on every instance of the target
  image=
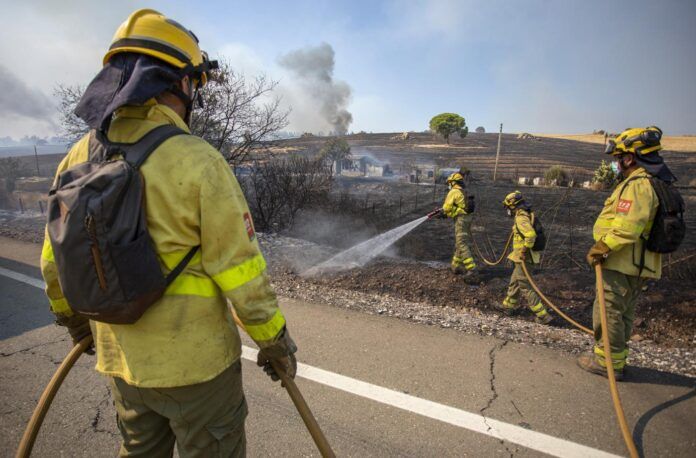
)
(316, 90)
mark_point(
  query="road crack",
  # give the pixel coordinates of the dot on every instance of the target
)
(494, 391)
(32, 347)
(98, 415)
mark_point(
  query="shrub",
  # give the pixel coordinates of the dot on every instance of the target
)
(557, 173)
(604, 175)
(480, 130)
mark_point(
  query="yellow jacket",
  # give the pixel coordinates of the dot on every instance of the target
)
(192, 198)
(624, 225)
(524, 235)
(455, 202)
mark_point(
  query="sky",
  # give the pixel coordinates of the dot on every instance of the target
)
(537, 66)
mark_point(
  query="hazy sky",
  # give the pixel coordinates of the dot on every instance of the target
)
(537, 66)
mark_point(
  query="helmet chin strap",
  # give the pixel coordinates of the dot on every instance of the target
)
(186, 99)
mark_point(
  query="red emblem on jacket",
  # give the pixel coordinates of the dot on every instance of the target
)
(624, 206)
(249, 226)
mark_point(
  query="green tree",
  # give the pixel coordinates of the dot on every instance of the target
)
(335, 149)
(447, 124)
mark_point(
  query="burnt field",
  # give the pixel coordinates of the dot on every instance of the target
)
(666, 313)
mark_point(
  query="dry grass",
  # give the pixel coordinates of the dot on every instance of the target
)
(684, 144)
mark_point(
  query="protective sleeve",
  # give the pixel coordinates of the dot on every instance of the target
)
(526, 229)
(49, 270)
(231, 256)
(632, 212)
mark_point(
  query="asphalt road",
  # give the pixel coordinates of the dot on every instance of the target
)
(385, 388)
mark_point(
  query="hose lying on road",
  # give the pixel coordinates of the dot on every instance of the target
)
(500, 259)
(551, 304)
(301, 406)
(610, 367)
(37, 418)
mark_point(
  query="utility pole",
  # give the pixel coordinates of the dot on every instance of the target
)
(497, 152)
(36, 156)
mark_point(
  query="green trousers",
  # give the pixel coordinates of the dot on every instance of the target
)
(462, 238)
(206, 419)
(620, 295)
(519, 285)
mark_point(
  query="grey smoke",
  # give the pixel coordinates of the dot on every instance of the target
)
(18, 99)
(313, 67)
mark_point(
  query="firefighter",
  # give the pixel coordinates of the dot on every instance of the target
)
(456, 206)
(620, 235)
(175, 374)
(523, 240)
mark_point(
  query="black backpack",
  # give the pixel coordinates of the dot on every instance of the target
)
(107, 267)
(540, 241)
(668, 229)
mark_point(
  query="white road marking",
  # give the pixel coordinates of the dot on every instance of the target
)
(451, 415)
(23, 278)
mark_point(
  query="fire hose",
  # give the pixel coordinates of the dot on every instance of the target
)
(613, 389)
(502, 255)
(32, 430)
(621, 417)
(301, 405)
(37, 418)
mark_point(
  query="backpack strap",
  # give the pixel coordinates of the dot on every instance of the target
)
(137, 153)
(181, 266)
(531, 220)
(102, 149)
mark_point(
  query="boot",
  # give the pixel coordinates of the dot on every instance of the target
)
(588, 362)
(457, 270)
(509, 311)
(471, 276)
(545, 319)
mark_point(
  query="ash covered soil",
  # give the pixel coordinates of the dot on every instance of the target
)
(428, 293)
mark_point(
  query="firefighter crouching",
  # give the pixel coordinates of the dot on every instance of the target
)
(621, 235)
(524, 238)
(456, 206)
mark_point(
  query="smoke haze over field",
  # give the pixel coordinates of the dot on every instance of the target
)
(18, 99)
(316, 90)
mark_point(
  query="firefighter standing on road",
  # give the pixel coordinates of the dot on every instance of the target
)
(176, 372)
(456, 207)
(620, 234)
(523, 240)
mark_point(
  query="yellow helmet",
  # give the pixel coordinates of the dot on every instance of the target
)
(456, 177)
(513, 199)
(636, 140)
(150, 32)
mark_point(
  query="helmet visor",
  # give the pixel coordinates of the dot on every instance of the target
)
(610, 147)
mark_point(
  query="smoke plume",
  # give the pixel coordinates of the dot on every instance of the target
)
(313, 68)
(18, 99)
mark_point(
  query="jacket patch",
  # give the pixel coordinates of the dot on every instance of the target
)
(624, 206)
(249, 226)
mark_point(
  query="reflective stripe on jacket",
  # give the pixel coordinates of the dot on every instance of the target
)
(455, 202)
(624, 224)
(524, 235)
(192, 198)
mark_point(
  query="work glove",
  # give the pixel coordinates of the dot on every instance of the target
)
(78, 328)
(282, 352)
(598, 253)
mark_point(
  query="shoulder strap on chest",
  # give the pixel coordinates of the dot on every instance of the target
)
(102, 149)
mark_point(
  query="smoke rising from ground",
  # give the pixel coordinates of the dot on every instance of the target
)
(18, 99)
(312, 69)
